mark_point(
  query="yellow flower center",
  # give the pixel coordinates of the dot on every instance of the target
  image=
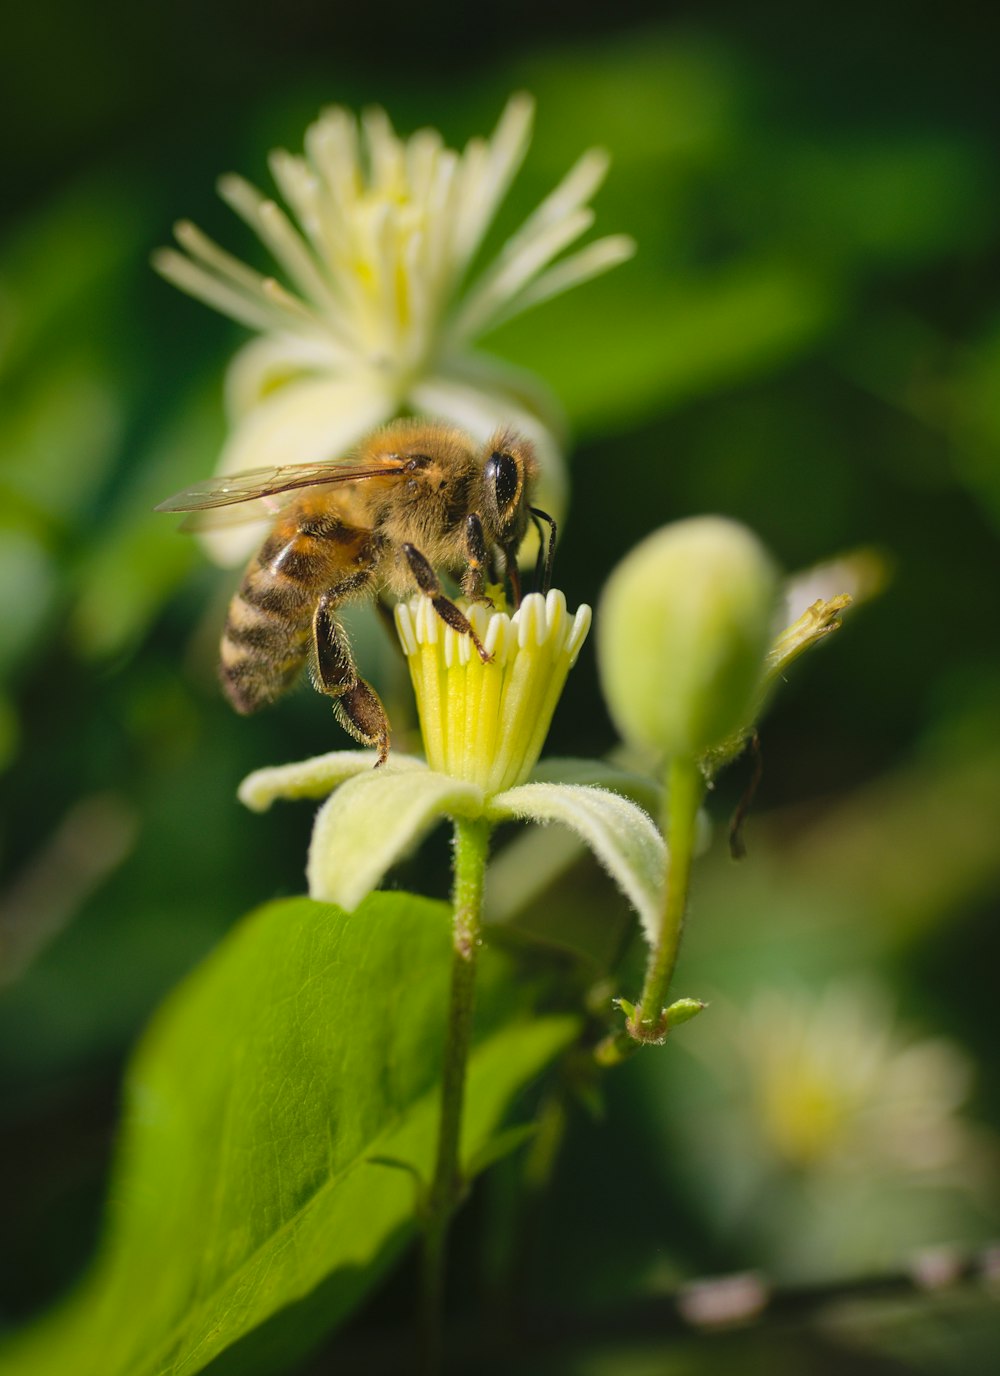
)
(486, 723)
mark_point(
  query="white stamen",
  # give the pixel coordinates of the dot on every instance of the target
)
(508, 276)
(372, 253)
(404, 628)
(578, 634)
(579, 267)
(200, 246)
(259, 314)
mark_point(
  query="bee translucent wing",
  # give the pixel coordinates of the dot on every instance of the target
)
(238, 514)
(260, 485)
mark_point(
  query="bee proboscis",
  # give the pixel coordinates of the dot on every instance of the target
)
(415, 497)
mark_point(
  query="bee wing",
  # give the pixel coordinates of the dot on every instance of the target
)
(262, 486)
(241, 513)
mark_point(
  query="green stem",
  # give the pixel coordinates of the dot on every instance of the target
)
(685, 787)
(469, 868)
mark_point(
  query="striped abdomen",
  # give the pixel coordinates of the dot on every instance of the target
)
(269, 629)
(266, 639)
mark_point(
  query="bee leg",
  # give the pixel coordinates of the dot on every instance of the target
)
(474, 578)
(430, 585)
(356, 705)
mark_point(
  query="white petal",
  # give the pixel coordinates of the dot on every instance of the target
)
(517, 386)
(861, 573)
(265, 364)
(370, 822)
(481, 408)
(317, 777)
(621, 835)
(304, 421)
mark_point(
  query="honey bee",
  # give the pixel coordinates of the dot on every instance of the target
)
(415, 497)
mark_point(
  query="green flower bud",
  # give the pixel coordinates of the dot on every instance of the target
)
(684, 626)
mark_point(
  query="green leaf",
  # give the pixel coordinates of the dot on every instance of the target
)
(308, 1043)
(503, 1144)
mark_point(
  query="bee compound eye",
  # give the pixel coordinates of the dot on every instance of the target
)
(504, 473)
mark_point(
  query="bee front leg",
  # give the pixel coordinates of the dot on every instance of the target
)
(356, 705)
(430, 585)
(477, 555)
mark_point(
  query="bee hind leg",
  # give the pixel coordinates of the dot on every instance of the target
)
(430, 585)
(356, 705)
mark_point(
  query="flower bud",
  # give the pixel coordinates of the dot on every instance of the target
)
(684, 625)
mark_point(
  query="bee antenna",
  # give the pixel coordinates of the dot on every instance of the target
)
(546, 555)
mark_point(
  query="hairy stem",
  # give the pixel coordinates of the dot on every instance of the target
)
(685, 786)
(469, 867)
(649, 1024)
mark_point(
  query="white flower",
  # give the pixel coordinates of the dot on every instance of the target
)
(483, 727)
(827, 1136)
(835, 1084)
(374, 318)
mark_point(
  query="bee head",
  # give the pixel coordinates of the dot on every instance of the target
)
(508, 476)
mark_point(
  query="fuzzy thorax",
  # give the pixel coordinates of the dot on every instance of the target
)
(486, 723)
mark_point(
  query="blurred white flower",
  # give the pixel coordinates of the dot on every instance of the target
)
(835, 1084)
(374, 318)
(827, 1138)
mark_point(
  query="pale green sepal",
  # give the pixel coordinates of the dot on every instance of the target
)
(647, 792)
(370, 822)
(619, 833)
(314, 778)
(815, 623)
(642, 789)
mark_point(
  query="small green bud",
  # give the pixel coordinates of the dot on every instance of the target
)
(684, 626)
(683, 1010)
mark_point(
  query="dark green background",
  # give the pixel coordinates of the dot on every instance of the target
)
(808, 340)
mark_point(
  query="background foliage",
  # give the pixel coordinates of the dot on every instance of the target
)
(808, 340)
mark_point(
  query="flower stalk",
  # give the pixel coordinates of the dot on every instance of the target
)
(685, 789)
(649, 1022)
(471, 845)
